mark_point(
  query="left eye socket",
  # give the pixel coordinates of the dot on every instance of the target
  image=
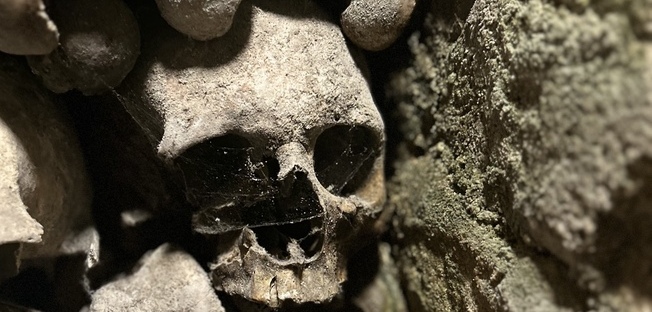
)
(344, 157)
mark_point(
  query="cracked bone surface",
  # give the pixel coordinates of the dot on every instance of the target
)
(375, 25)
(199, 19)
(44, 192)
(273, 131)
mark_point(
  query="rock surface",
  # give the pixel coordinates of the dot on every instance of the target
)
(100, 42)
(530, 130)
(168, 279)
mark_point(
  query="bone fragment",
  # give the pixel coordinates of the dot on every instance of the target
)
(100, 42)
(383, 293)
(168, 280)
(25, 28)
(375, 25)
(44, 192)
(199, 19)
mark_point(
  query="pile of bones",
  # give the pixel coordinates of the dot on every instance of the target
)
(189, 155)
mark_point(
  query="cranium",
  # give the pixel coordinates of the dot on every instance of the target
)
(274, 134)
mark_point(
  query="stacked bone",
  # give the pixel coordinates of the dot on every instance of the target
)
(372, 25)
(97, 44)
(44, 193)
(91, 47)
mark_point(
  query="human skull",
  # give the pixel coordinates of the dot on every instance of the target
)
(274, 134)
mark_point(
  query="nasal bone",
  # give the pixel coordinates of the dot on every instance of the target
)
(292, 158)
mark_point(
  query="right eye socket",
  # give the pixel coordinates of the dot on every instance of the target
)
(232, 188)
(220, 170)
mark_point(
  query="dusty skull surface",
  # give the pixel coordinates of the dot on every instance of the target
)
(274, 135)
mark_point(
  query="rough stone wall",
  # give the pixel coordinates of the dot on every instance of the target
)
(523, 183)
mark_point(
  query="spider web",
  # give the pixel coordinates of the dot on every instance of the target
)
(234, 190)
(231, 188)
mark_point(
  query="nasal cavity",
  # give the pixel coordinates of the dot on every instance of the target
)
(278, 240)
(299, 220)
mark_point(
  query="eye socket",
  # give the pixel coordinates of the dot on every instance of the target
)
(222, 169)
(232, 186)
(344, 157)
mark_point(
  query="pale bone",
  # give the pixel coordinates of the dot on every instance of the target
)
(374, 25)
(280, 78)
(25, 28)
(44, 191)
(16, 171)
(384, 292)
(99, 44)
(167, 279)
(199, 19)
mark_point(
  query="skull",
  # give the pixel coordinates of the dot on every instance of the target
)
(274, 135)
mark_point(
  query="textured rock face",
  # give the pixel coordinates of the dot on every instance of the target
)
(534, 126)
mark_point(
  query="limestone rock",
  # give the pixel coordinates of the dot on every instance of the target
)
(383, 293)
(533, 131)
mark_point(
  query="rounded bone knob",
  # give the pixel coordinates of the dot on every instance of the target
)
(374, 25)
(25, 28)
(100, 42)
(199, 19)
